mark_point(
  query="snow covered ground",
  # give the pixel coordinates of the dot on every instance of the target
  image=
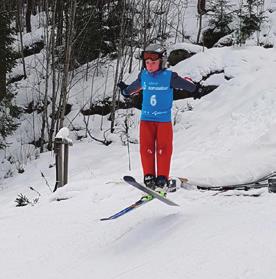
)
(228, 137)
(208, 236)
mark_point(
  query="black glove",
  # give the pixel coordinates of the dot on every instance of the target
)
(198, 93)
(123, 86)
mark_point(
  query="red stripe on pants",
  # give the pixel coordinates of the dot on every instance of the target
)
(156, 144)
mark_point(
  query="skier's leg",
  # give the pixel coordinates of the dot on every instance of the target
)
(164, 148)
(147, 146)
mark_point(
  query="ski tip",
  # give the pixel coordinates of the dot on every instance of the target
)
(106, 219)
(128, 178)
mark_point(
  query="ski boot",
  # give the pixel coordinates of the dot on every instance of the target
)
(171, 186)
(149, 181)
(162, 185)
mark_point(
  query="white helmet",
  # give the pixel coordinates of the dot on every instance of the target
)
(154, 52)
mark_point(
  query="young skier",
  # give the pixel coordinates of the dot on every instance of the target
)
(156, 84)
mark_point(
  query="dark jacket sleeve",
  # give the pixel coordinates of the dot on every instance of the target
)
(135, 87)
(180, 84)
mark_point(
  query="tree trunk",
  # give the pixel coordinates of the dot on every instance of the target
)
(20, 28)
(199, 29)
(3, 62)
(145, 22)
(117, 75)
(201, 7)
(67, 61)
(47, 66)
(59, 21)
(28, 16)
(54, 90)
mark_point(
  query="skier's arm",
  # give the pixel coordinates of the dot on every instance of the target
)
(130, 90)
(188, 88)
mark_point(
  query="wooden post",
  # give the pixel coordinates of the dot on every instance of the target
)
(61, 149)
(66, 155)
(59, 171)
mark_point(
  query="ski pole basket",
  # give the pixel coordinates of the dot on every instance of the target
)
(61, 150)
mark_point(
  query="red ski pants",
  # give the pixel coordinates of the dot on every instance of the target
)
(156, 145)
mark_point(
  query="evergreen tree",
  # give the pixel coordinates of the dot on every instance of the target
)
(251, 17)
(97, 29)
(7, 61)
(221, 17)
(8, 112)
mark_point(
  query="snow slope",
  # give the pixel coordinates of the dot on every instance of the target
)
(239, 117)
(207, 237)
(228, 137)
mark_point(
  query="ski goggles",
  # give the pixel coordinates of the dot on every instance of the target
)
(150, 55)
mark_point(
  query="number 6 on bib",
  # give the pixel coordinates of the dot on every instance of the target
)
(153, 100)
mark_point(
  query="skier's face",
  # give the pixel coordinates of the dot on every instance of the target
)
(152, 65)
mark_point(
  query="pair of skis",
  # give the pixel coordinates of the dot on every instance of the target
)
(145, 199)
(260, 183)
